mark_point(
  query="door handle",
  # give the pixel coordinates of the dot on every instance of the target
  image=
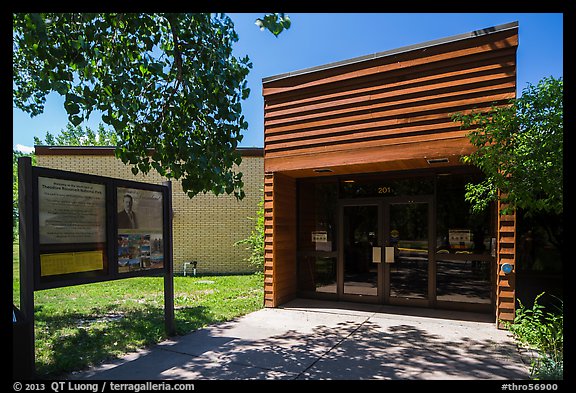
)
(376, 254)
(389, 257)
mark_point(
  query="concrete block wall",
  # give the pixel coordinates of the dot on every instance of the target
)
(205, 227)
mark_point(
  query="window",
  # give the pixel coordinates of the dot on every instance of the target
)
(459, 230)
(317, 236)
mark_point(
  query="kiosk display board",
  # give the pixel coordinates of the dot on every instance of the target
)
(78, 229)
(71, 226)
(91, 228)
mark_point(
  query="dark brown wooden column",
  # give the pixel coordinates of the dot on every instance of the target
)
(280, 278)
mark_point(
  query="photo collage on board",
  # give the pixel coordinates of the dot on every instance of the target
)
(140, 220)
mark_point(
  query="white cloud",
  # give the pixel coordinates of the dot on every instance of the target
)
(24, 149)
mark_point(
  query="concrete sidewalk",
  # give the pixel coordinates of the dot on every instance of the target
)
(319, 340)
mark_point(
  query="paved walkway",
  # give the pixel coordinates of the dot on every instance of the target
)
(318, 340)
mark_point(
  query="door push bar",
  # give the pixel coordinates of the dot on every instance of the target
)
(377, 254)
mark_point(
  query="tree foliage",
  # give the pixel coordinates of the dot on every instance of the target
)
(79, 136)
(275, 23)
(71, 136)
(520, 150)
(167, 84)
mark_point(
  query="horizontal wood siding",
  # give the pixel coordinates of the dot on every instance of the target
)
(279, 239)
(506, 283)
(268, 240)
(388, 109)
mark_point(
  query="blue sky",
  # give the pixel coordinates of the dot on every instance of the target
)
(316, 39)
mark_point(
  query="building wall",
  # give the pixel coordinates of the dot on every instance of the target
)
(385, 112)
(205, 227)
(280, 229)
(506, 283)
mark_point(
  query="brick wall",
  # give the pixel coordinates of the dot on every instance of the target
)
(205, 227)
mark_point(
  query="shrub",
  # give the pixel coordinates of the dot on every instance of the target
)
(542, 331)
(255, 241)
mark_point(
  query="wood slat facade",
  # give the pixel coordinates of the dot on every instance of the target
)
(369, 114)
(279, 239)
(506, 283)
(391, 111)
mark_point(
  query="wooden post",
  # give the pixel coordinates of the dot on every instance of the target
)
(23, 341)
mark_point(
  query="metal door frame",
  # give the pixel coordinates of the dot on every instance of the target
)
(342, 203)
(383, 290)
(430, 300)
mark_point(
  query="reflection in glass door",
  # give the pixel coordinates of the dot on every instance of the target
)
(409, 236)
(360, 235)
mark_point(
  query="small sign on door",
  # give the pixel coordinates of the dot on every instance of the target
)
(319, 236)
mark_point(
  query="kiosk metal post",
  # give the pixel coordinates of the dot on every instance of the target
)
(169, 271)
(23, 341)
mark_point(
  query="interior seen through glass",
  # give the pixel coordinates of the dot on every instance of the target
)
(462, 247)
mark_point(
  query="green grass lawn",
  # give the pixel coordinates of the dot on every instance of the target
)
(83, 325)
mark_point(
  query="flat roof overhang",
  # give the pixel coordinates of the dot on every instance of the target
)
(437, 155)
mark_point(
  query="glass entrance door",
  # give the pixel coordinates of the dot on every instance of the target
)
(409, 233)
(361, 240)
(384, 250)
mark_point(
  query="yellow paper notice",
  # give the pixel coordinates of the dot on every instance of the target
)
(71, 262)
